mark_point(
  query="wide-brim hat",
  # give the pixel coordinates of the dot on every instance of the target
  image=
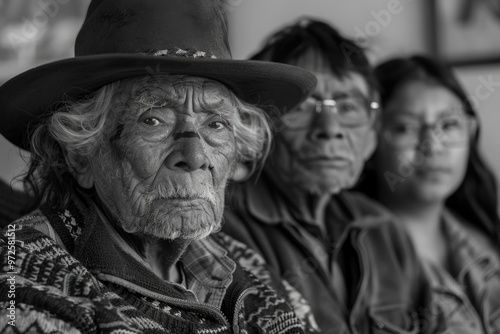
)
(121, 39)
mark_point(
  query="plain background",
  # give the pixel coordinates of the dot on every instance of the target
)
(406, 32)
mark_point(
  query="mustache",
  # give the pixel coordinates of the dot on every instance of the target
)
(175, 191)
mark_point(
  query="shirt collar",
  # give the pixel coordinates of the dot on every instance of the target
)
(209, 271)
(468, 245)
(208, 263)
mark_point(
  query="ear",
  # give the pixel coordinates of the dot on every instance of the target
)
(240, 172)
(80, 169)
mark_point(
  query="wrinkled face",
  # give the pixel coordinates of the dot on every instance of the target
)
(430, 169)
(169, 149)
(323, 156)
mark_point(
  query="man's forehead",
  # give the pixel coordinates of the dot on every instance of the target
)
(139, 94)
(316, 62)
(173, 87)
(351, 83)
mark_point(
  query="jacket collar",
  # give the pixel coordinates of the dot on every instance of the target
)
(473, 251)
(265, 203)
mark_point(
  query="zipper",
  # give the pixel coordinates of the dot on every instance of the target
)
(178, 302)
(238, 305)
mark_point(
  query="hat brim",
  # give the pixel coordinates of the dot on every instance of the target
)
(34, 94)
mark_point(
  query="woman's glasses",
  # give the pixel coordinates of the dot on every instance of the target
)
(452, 130)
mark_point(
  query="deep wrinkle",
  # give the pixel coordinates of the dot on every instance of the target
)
(118, 132)
(148, 100)
(217, 106)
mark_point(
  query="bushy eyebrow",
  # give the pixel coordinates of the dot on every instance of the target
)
(148, 100)
(453, 111)
(221, 107)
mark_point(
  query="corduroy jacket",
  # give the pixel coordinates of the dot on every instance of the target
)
(386, 287)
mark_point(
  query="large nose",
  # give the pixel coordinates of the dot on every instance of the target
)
(188, 154)
(325, 126)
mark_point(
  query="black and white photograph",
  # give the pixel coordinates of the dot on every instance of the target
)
(249, 166)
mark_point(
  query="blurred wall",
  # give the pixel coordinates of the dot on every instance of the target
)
(483, 86)
(393, 27)
(33, 32)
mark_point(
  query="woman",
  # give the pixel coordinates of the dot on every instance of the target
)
(428, 170)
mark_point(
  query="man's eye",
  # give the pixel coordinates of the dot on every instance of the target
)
(153, 121)
(404, 128)
(217, 125)
(347, 106)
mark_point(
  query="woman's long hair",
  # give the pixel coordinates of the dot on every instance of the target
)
(476, 198)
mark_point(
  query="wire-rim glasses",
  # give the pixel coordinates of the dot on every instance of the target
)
(350, 110)
(454, 130)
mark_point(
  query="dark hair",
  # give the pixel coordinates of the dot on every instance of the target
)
(341, 54)
(475, 200)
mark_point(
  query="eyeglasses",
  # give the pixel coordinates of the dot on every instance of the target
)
(455, 130)
(350, 110)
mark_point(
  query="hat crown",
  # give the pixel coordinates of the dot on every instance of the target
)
(145, 26)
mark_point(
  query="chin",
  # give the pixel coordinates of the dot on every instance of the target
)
(322, 189)
(191, 225)
(170, 222)
(434, 193)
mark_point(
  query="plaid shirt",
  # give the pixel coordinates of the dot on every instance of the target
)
(206, 269)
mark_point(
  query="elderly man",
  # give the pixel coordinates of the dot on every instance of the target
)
(132, 143)
(344, 254)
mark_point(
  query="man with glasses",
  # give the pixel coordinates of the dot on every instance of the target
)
(355, 267)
